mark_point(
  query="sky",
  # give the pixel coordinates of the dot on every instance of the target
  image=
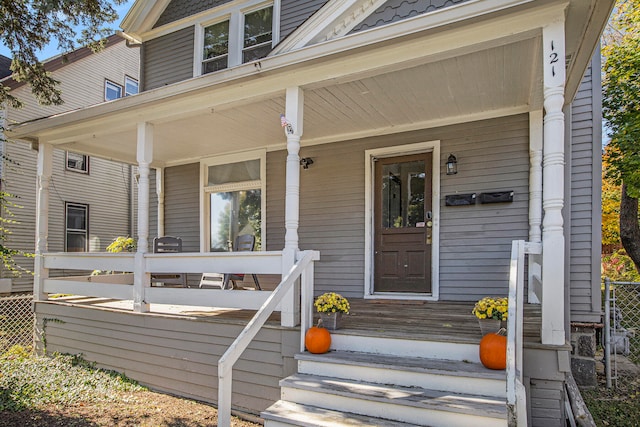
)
(52, 49)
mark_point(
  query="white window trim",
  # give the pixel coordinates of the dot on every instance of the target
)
(369, 156)
(205, 227)
(234, 13)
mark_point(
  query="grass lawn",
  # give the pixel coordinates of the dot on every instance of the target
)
(67, 391)
(618, 406)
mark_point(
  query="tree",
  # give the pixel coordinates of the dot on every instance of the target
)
(610, 206)
(28, 26)
(621, 108)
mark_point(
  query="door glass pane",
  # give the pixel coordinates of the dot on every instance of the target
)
(403, 194)
(234, 213)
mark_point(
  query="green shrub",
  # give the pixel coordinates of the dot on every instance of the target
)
(28, 381)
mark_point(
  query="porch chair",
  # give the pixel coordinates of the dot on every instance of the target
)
(242, 243)
(168, 244)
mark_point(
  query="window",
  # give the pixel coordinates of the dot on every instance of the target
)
(216, 47)
(77, 162)
(130, 86)
(257, 34)
(225, 47)
(77, 226)
(112, 90)
(234, 197)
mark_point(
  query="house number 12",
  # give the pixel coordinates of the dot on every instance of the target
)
(553, 58)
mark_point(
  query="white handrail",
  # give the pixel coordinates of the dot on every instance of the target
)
(516, 393)
(235, 350)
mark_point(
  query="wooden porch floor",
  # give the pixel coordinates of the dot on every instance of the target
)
(417, 320)
(422, 320)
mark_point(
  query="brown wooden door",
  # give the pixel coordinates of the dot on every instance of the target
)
(402, 224)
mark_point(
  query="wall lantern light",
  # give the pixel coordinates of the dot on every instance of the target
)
(452, 165)
(305, 162)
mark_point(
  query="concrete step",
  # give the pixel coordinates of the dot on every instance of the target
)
(444, 350)
(413, 405)
(435, 374)
(286, 414)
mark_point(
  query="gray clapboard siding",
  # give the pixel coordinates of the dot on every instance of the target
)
(295, 12)
(547, 398)
(182, 205)
(178, 9)
(397, 10)
(168, 59)
(492, 155)
(176, 354)
(585, 186)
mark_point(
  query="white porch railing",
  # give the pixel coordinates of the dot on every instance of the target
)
(516, 393)
(302, 268)
(121, 286)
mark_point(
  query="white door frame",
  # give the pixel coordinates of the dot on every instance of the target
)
(401, 150)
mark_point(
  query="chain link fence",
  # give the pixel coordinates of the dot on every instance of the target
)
(621, 325)
(16, 321)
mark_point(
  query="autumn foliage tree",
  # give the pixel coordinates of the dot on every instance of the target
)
(621, 108)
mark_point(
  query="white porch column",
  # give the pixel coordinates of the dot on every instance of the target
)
(44, 170)
(144, 156)
(160, 194)
(553, 259)
(293, 131)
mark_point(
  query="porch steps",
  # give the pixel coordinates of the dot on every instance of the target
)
(380, 388)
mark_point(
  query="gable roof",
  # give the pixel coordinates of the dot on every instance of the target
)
(142, 16)
(62, 60)
(338, 18)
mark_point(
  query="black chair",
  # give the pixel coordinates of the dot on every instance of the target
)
(242, 243)
(168, 244)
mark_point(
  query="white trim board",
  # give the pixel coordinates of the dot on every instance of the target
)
(400, 150)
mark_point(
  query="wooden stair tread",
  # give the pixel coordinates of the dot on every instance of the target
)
(412, 364)
(312, 416)
(408, 396)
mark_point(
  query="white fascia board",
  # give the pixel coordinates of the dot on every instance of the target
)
(268, 73)
(338, 18)
(142, 15)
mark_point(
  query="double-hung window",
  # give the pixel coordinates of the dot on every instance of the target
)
(77, 227)
(234, 198)
(241, 36)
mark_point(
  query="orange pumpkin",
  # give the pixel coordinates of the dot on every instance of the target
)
(317, 340)
(493, 351)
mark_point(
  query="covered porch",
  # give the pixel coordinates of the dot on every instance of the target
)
(423, 85)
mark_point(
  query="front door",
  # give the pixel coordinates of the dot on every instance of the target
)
(403, 224)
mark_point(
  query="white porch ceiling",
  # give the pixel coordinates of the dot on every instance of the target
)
(484, 83)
